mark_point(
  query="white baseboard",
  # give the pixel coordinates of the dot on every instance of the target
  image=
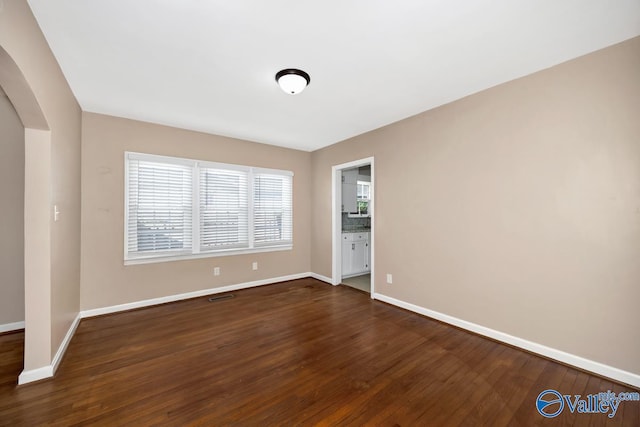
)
(178, 297)
(552, 353)
(561, 356)
(8, 327)
(321, 277)
(65, 343)
(35, 374)
(48, 371)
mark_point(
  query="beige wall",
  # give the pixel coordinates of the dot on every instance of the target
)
(23, 41)
(106, 281)
(11, 226)
(517, 208)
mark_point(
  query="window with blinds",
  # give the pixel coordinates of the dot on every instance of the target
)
(159, 206)
(176, 208)
(223, 209)
(272, 209)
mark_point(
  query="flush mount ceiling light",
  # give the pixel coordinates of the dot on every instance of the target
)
(292, 80)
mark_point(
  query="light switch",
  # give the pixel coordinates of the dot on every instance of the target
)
(56, 213)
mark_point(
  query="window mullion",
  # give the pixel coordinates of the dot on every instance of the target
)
(250, 206)
(129, 233)
(195, 224)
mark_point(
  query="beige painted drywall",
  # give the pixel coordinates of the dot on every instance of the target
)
(37, 242)
(11, 226)
(48, 104)
(106, 281)
(517, 208)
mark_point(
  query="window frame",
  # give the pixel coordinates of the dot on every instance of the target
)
(196, 251)
(359, 199)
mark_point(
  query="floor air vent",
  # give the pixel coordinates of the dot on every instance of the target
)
(220, 297)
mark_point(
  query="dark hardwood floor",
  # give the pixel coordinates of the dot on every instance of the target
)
(293, 353)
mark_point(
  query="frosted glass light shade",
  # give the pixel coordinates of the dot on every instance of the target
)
(292, 81)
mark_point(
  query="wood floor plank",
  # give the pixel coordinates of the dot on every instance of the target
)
(292, 353)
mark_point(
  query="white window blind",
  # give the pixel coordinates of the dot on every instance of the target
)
(223, 209)
(272, 208)
(159, 208)
(177, 208)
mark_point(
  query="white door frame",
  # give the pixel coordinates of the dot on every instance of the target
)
(336, 219)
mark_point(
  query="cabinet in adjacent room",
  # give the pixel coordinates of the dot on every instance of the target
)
(350, 190)
(356, 252)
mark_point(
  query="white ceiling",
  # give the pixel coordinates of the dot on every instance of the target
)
(210, 65)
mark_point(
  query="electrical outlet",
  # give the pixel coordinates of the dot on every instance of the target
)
(389, 279)
(254, 266)
(216, 271)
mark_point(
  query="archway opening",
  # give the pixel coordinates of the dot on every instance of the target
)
(12, 306)
(36, 217)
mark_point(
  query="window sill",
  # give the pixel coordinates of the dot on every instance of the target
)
(229, 252)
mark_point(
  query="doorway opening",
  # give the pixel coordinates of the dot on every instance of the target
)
(37, 227)
(353, 225)
(12, 151)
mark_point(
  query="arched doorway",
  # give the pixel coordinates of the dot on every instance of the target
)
(12, 224)
(37, 235)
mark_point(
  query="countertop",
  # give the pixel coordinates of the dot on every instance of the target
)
(356, 230)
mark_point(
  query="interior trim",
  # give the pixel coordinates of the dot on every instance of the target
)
(187, 295)
(321, 278)
(598, 368)
(37, 374)
(9, 327)
(570, 359)
(50, 370)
